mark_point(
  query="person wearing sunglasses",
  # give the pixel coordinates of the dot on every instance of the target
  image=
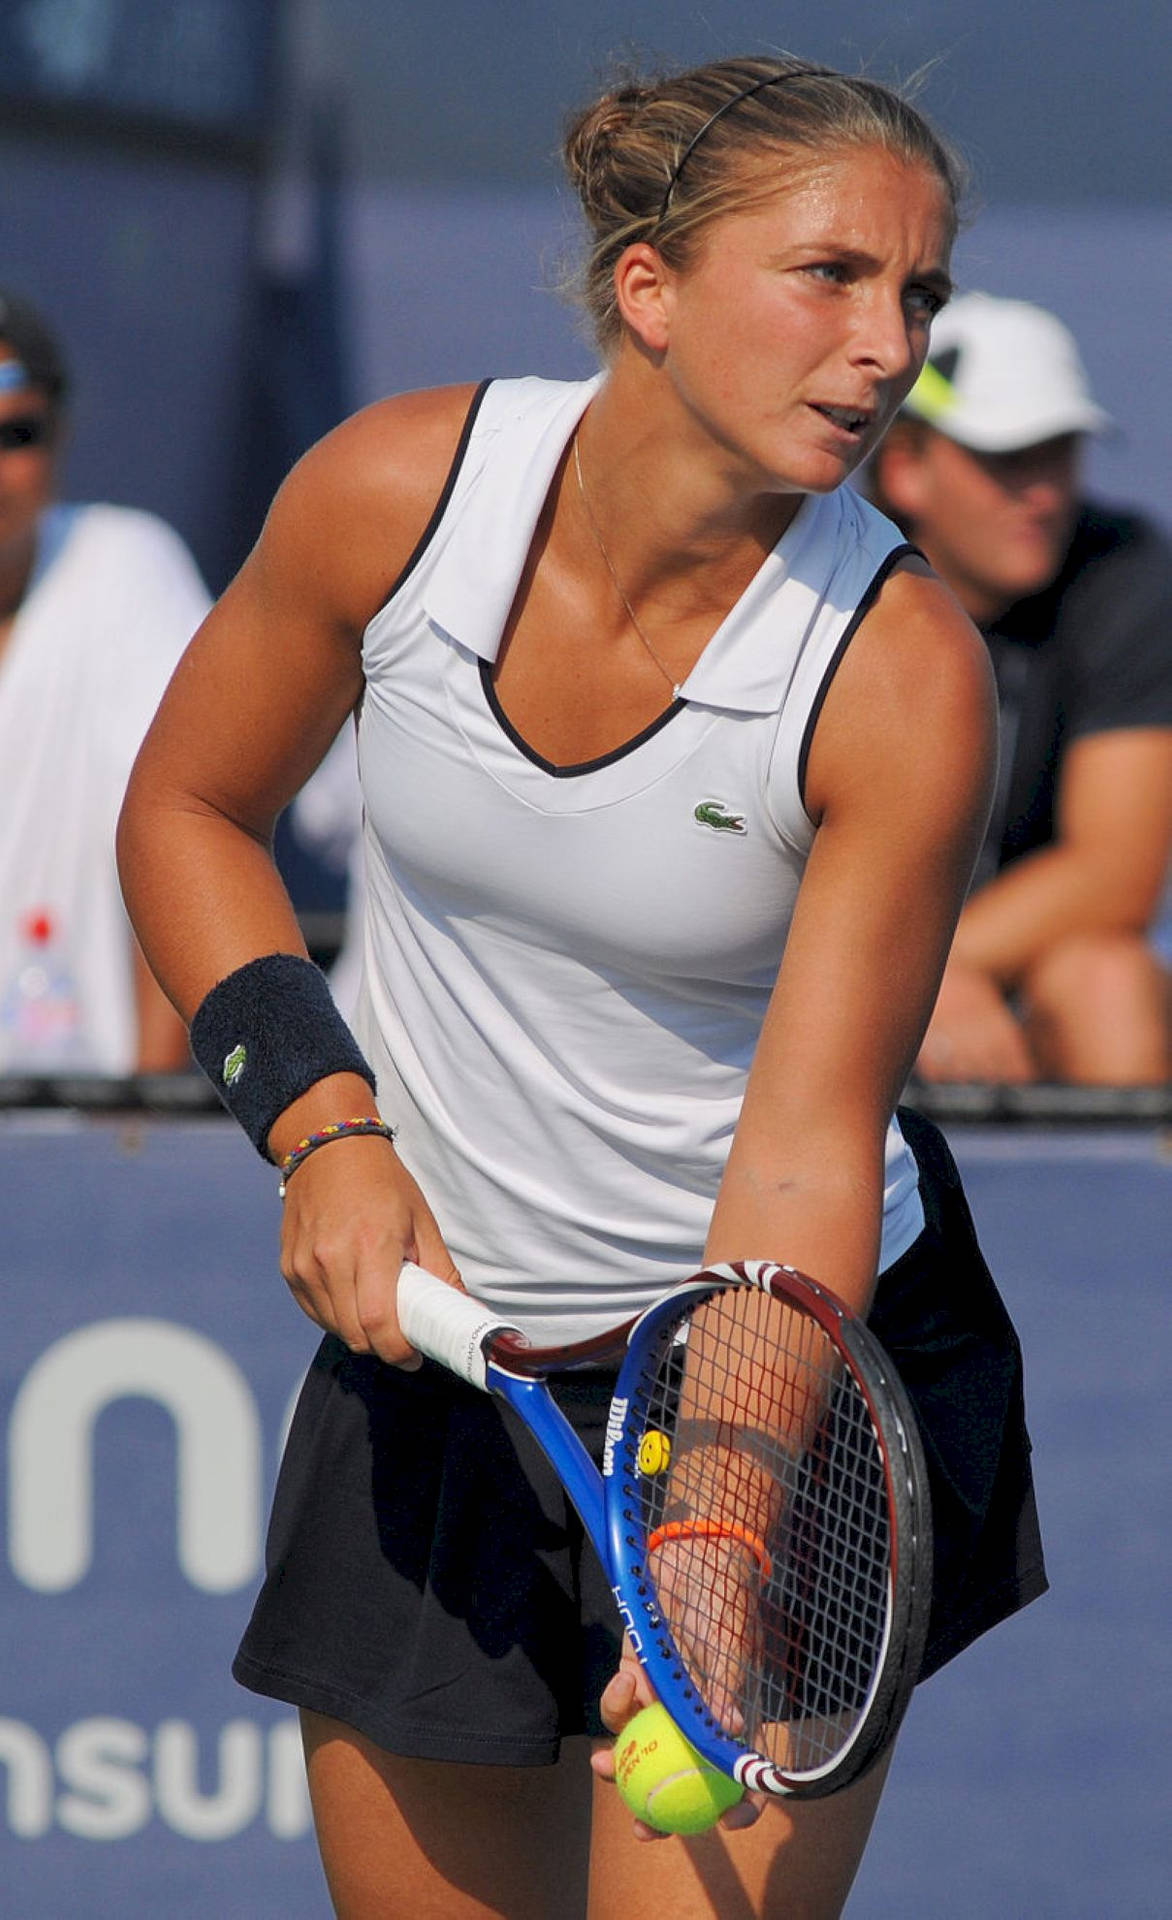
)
(96, 604)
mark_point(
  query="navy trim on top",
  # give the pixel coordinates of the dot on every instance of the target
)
(902, 552)
(440, 508)
(581, 766)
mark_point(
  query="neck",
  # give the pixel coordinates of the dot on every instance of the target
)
(671, 511)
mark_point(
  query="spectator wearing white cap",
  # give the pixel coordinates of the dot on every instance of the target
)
(1052, 975)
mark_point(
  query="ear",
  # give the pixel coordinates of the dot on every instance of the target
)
(642, 284)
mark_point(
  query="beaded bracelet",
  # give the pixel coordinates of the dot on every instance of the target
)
(337, 1130)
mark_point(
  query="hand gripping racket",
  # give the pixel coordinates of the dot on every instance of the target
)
(762, 1511)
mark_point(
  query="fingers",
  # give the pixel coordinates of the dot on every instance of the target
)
(619, 1702)
(746, 1813)
(974, 1034)
(350, 1222)
(626, 1693)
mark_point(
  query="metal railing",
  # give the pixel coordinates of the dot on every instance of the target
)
(183, 1094)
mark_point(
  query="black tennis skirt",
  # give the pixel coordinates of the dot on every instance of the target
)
(429, 1584)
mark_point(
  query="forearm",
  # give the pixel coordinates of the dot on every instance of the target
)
(1042, 899)
(204, 896)
(161, 1035)
(821, 1212)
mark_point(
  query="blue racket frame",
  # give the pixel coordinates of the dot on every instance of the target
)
(605, 1506)
(458, 1332)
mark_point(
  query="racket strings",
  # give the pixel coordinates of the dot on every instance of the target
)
(759, 1480)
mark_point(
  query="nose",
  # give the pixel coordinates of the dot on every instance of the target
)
(1044, 492)
(883, 342)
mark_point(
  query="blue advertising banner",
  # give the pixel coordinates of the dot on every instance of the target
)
(149, 1365)
(150, 1359)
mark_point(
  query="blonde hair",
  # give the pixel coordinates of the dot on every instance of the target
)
(659, 159)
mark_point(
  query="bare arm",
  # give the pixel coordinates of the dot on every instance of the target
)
(1104, 870)
(900, 780)
(1103, 874)
(162, 1037)
(255, 703)
(264, 688)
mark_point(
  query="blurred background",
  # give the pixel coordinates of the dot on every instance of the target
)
(249, 217)
(246, 218)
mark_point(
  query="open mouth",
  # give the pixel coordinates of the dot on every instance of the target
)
(846, 419)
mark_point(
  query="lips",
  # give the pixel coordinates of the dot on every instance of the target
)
(852, 420)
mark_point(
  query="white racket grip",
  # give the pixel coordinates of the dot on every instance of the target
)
(445, 1324)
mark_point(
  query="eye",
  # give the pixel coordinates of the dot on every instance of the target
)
(834, 272)
(924, 303)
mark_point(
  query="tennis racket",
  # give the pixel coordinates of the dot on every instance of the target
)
(762, 1511)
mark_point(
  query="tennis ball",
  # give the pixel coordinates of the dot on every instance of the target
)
(663, 1780)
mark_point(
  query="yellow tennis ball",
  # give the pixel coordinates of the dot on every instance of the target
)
(663, 1780)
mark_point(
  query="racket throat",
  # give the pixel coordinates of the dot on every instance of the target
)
(561, 1446)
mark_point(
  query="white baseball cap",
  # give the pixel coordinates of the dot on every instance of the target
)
(1002, 374)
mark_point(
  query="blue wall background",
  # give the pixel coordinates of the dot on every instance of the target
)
(137, 1779)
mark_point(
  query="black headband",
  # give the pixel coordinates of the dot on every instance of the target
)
(746, 93)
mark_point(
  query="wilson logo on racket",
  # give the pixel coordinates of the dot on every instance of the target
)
(616, 1421)
(234, 1065)
(714, 814)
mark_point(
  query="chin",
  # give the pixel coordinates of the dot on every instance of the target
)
(825, 475)
(1030, 580)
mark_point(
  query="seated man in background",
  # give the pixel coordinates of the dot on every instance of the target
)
(1052, 975)
(96, 605)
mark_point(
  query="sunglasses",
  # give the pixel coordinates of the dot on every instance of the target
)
(26, 430)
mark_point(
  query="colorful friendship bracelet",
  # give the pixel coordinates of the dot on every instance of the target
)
(337, 1130)
(713, 1530)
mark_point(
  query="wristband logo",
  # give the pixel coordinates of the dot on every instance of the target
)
(234, 1064)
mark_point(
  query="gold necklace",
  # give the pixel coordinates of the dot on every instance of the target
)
(672, 682)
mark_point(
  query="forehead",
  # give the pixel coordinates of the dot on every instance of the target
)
(863, 188)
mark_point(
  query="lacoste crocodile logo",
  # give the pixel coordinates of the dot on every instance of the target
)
(234, 1065)
(713, 813)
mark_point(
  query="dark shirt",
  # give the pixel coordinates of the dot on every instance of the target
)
(1091, 653)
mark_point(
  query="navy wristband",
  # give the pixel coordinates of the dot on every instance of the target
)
(266, 1034)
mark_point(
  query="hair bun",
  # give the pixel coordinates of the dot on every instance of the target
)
(593, 142)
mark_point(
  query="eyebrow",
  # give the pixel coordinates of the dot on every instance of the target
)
(938, 278)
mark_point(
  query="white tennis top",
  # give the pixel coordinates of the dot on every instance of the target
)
(565, 971)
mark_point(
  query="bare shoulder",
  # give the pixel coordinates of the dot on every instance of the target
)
(918, 639)
(354, 507)
(914, 696)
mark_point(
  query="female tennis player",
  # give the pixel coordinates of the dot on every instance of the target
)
(675, 764)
